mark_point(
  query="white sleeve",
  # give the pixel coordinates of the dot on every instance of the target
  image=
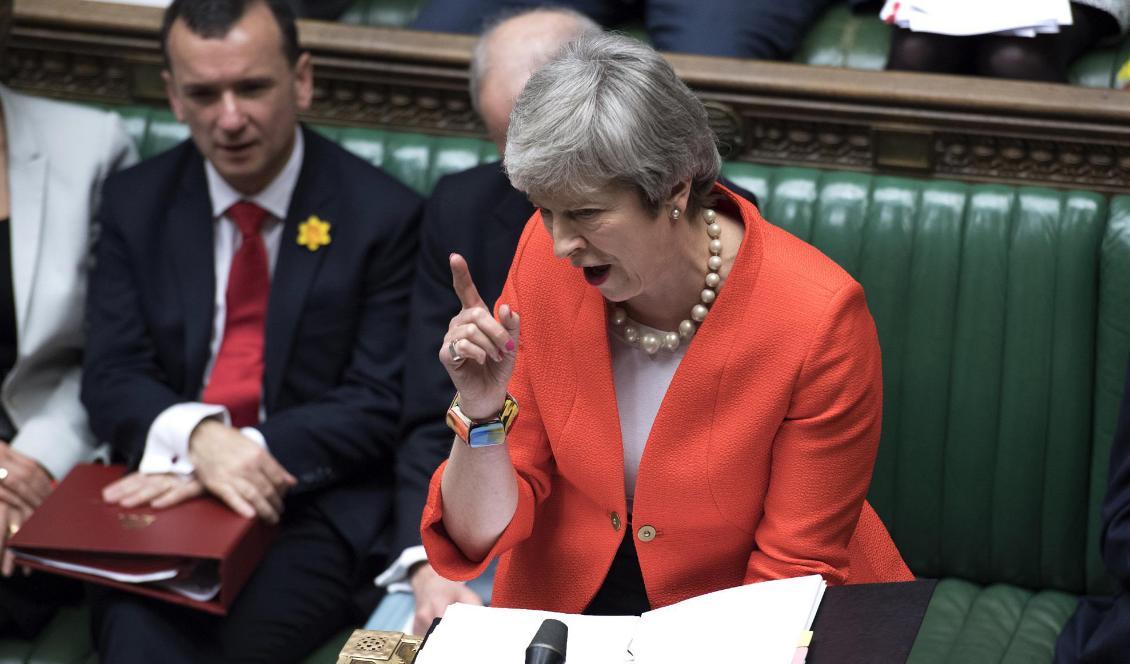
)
(395, 578)
(166, 445)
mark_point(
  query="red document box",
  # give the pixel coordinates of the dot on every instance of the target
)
(197, 539)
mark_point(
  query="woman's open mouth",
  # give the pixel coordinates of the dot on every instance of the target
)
(597, 274)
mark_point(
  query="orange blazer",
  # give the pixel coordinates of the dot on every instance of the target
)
(758, 462)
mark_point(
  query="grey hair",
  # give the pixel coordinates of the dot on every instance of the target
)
(480, 61)
(611, 110)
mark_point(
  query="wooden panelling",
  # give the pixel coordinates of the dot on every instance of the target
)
(766, 112)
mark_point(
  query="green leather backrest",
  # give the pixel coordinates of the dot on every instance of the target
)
(838, 39)
(1003, 316)
(1004, 319)
(417, 160)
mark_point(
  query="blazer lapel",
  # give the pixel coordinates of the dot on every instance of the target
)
(596, 397)
(27, 183)
(296, 264)
(191, 241)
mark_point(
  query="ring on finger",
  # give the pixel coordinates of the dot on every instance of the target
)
(3, 474)
(13, 528)
(455, 356)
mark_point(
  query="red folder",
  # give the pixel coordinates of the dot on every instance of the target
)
(199, 537)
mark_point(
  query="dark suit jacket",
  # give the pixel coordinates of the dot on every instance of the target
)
(1099, 631)
(477, 214)
(335, 332)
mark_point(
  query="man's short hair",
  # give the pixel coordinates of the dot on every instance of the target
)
(212, 19)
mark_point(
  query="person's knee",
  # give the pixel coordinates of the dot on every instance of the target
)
(1023, 59)
(923, 51)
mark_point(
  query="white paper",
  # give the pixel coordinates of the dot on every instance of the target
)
(484, 635)
(761, 623)
(122, 577)
(1023, 18)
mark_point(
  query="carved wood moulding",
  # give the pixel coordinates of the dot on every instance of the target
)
(771, 113)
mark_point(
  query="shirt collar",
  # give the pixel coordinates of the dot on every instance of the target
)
(274, 198)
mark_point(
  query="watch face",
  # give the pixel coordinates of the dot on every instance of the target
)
(487, 434)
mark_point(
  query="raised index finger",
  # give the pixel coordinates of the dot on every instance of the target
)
(465, 288)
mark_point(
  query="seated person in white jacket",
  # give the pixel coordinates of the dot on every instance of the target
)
(53, 158)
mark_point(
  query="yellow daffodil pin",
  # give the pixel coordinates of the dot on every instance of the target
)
(314, 233)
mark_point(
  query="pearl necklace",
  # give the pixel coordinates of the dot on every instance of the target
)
(628, 330)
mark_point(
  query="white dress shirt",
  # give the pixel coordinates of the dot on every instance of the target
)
(166, 445)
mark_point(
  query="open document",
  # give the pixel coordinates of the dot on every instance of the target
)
(1021, 18)
(762, 622)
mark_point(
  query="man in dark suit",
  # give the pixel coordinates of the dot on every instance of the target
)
(246, 322)
(1099, 632)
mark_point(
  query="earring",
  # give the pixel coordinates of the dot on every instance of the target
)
(675, 214)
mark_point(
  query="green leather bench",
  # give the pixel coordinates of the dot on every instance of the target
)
(838, 39)
(1004, 319)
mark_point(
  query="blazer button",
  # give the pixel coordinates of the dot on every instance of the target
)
(646, 533)
(615, 522)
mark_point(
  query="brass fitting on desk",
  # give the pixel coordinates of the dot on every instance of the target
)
(366, 646)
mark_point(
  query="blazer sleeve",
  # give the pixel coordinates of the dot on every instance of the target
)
(123, 386)
(56, 433)
(527, 443)
(825, 449)
(350, 430)
(1115, 542)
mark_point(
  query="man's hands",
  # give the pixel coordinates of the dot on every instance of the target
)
(25, 483)
(434, 594)
(157, 490)
(238, 471)
(24, 486)
(10, 520)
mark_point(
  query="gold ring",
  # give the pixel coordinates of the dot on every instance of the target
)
(13, 528)
(3, 474)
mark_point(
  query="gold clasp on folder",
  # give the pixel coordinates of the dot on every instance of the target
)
(366, 646)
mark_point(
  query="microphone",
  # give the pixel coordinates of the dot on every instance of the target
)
(548, 645)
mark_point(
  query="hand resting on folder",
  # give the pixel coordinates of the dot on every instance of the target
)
(228, 465)
(22, 488)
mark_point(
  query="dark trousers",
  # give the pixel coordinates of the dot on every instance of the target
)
(27, 603)
(301, 594)
(760, 29)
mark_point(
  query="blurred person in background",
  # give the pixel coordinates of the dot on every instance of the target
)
(1099, 631)
(759, 29)
(1042, 57)
(53, 159)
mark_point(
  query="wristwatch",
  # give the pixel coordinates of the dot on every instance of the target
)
(482, 433)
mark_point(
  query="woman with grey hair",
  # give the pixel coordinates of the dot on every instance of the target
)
(699, 392)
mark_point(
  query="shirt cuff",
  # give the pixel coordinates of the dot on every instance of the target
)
(395, 578)
(255, 435)
(166, 446)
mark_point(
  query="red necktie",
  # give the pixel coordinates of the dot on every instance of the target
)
(237, 375)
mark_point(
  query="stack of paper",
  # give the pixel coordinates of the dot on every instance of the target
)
(761, 622)
(1021, 18)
